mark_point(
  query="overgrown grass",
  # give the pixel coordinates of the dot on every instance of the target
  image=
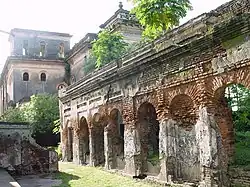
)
(242, 149)
(80, 176)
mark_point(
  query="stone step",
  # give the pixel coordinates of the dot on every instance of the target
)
(6, 180)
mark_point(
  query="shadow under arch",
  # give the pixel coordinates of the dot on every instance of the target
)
(148, 127)
(97, 140)
(180, 147)
(83, 141)
(114, 141)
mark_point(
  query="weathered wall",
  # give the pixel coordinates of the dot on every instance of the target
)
(77, 64)
(20, 154)
(180, 80)
(54, 71)
(33, 39)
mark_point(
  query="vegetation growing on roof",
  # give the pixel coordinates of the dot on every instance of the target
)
(157, 16)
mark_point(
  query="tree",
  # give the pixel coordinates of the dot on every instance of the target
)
(108, 47)
(89, 64)
(158, 16)
(41, 112)
(238, 98)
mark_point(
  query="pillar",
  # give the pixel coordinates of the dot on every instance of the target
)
(168, 143)
(92, 154)
(132, 145)
(108, 150)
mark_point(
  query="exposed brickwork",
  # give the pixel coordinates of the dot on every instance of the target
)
(21, 155)
(182, 110)
(182, 86)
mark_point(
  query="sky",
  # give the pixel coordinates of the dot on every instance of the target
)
(76, 17)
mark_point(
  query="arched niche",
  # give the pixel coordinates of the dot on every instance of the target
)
(116, 138)
(97, 139)
(231, 110)
(183, 111)
(148, 127)
(84, 141)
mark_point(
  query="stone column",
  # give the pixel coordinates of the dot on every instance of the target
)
(76, 149)
(132, 149)
(64, 143)
(132, 144)
(213, 161)
(168, 150)
(206, 138)
(108, 151)
(92, 155)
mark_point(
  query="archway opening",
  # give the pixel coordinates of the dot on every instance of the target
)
(148, 127)
(233, 118)
(84, 141)
(117, 138)
(98, 138)
(183, 154)
(70, 143)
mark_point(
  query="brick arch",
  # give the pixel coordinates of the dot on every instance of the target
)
(117, 105)
(182, 109)
(83, 136)
(222, 112)
(96, 118)
(149, 97)
(83, 125)
(148, 128)
(191, 90)
(146, 105)
(241, 76)
(97, 137)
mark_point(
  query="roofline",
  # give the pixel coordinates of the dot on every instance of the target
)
(39, 31)
(113, 17)
(77, 47)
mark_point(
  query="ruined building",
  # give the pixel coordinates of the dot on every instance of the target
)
(122, 21)
(35, 65)
(19, 153)
(164, 99)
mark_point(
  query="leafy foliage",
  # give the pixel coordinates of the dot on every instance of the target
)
(108, 47)
(57, 125)
(239, 100)
(159, 15)
(89, 64)
(12, 115)
(242, 146)
(40, 112)
(67, 72)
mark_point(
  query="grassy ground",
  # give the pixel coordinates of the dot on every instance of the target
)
(81, 176)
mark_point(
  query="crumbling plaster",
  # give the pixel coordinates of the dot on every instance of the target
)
(195, 146)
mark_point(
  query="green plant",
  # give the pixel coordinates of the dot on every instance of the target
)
(108, 47)
(59, 151)
(89, 64)
(41, 112)
(242, 146)
(67, 72)
(57, 125)
(157, 16)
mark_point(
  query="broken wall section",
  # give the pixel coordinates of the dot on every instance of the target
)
(20, 154)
